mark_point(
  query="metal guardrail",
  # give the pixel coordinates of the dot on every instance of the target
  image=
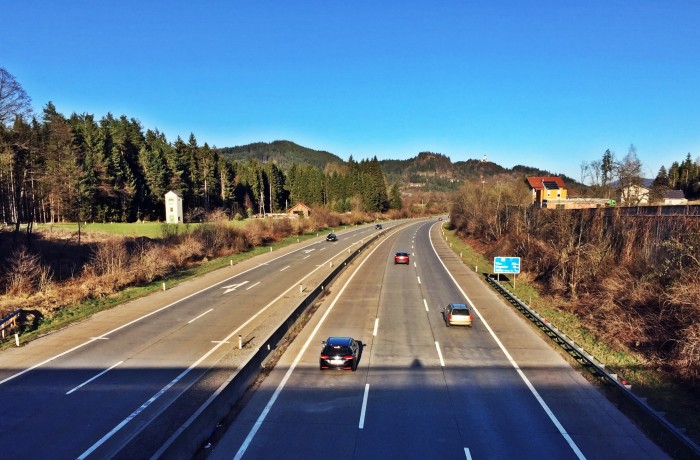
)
(188, 439)
(594, 366)
(9, 324)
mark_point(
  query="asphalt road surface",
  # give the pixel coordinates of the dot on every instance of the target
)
(118, 384)
(422, 390)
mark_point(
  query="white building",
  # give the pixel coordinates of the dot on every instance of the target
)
(173, 208)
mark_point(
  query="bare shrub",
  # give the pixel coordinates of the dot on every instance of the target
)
(190, 248)
(154, 263)
(299, 226)
(26, 274)
(322, 218)
(109, 258)
(281, 228)
(258, 233)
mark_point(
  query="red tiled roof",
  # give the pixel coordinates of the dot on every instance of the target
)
(537, 182)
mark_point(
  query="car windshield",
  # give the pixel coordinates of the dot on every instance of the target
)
(333, 350)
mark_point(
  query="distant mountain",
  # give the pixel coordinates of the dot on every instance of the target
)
(282, 153)
(429, 170)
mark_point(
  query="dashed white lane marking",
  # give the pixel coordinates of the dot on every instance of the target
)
(426, 304)
(251, 287)
(442, 361)
(95, 377)
(376, 323)
(522, 375)
(364, 407)
(197, 317)
(285, 268)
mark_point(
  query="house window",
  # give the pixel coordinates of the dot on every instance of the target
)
(171, 209)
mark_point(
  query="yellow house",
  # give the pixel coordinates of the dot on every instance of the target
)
(545, 189)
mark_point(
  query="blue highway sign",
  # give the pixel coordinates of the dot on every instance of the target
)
(506, 264)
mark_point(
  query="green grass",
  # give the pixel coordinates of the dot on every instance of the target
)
(137, 229)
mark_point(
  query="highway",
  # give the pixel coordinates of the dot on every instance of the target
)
(119, 384)
(422, 390)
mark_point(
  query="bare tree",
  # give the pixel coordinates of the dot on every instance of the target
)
(629, 175)
(14, 101)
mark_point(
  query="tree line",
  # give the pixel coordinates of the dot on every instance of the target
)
(607, 173)
(78, 168)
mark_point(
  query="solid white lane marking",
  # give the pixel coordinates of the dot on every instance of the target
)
(376, 323)
(285, 268)
(522, 375)
(251, 287)
(467, 453)
(197, 317)
(163, 390)
(147, 315)
(233, 287)
(442, 361)
(425, 302)
(95, 377)
(273, 398)
(364, 407)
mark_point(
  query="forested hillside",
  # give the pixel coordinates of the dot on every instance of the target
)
(77, 168)
(283, 153)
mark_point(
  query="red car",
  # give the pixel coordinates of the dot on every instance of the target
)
(401, 258)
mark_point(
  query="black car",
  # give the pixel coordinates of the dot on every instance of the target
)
(331, 237)
(378, 226)
(340, 353)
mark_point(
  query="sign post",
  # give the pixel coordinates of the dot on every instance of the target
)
(506, 265)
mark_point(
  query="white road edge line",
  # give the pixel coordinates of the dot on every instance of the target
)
(537, 396)
(376, 324)
(118, 328)
(251, 287)
(442, 361)
(197, 317)
(364, 407)
(95, 377)
(273, 398)
(162, 391)
(426, 304)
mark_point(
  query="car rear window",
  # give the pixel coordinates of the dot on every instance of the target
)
(460, 311)
(336, 350)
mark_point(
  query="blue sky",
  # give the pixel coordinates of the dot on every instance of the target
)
(547, 83)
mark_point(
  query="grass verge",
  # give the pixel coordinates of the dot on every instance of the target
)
(677, 401)
(67, 316)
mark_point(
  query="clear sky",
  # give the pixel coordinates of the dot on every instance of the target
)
(546, 83)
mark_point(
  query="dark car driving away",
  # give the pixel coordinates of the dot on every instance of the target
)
(401, 258)
(340, 353)
(331, 237)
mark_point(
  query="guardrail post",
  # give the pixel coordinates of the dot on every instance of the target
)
(164, 286)
(16, 339)
(240, 342)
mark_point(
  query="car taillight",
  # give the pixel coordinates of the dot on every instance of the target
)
(449, 317)
(470, 317)
(347, 357)
(324, 356)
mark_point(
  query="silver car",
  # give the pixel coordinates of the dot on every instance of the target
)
(457, 314)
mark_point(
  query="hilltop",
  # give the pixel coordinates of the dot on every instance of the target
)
(429, 170)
